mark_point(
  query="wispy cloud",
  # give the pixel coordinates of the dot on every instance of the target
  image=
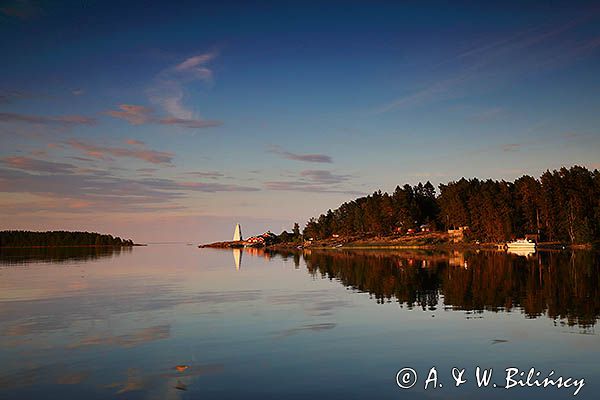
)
(427, 93)
(84, 159)
(135, 142)
(83, 190)
(35, 165)
(138, 115)
(195, 67)
(168, 90)
(504, 59)
(213, 187)
(39, 152)
(511, 147)
(301, 186)
(316, 181)
(134, 114)
(189, 123)
(487, 114)
(106, 152)
(324, 177)
(204, 174)
(66, 120)
(314, 158)
(8, 96)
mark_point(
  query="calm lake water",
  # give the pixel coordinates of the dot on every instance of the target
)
(98, 324)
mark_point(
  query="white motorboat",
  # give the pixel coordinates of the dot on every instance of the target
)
(521, 244)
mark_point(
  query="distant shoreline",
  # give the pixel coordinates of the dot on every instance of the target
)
(48, 239)
(70, 245)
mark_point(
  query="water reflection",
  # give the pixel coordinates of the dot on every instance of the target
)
(16, 256)
(522, 252)
(237, 258)
(561, 285)
(179, 322)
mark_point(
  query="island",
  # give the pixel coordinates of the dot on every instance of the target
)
(19, 238)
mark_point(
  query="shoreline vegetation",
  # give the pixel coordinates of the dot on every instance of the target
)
(420, 241)
(50, 239)
(560, 209)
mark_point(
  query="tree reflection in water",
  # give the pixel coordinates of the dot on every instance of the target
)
(26, 255)
(562, 285)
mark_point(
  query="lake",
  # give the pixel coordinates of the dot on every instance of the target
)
(174, 321)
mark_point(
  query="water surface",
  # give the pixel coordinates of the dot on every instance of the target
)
(334, 324)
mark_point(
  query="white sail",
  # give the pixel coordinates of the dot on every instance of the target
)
(237, 234)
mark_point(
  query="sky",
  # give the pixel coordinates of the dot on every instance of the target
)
(172, 122)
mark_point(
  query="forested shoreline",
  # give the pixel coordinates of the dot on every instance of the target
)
(562, 205)
(15, 238)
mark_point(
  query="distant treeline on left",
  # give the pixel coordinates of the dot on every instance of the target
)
(59, 238)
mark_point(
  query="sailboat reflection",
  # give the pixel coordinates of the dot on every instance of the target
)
(237, 257)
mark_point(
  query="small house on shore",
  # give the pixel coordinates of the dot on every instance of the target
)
(457, 235)
(265, 239)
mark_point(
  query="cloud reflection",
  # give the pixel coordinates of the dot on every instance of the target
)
(142, 336)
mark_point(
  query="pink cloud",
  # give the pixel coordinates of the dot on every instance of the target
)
(105, 152)
(135, 142)
(134, 114)
(32, 164)
(78, 190)
(138, 115)
(41, 119)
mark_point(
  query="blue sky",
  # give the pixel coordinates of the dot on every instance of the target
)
(173, 122)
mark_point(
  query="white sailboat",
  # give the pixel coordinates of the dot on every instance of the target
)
(237, 233)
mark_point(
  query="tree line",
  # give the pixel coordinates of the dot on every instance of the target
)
(59, 238)
(291, 237)
(562, 205)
